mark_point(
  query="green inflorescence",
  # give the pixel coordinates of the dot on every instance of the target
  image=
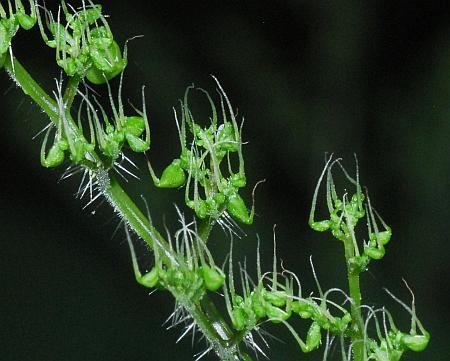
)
(11, 19)
(85, 45)
(211, 169)
(204, 165)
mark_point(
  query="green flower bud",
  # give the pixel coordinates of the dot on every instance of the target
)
(239, 318)
(321, 226)
(416, 343)
(134, 125)
(26, 21)
(374, 253)
(238, 209)
(302, 308)
(136, 144)
(173, 176)
(258, 306)
(276, 314)
(381, 237)
(108, 62)
(54, 157)
(277, 299)
(213, 277)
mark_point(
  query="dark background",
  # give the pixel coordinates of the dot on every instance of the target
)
(310, 77)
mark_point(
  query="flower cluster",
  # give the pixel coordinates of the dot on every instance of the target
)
(85, 45)
(11, 22)
(345, 213)
(204, 166)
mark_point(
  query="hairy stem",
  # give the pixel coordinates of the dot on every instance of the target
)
(30, 87)
(204, 313)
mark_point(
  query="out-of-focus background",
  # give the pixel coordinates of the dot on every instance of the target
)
(310, 77)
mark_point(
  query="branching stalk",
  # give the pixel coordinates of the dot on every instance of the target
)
(205, 313)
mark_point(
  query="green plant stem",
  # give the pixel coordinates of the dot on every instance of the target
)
(205, 313)
(30, 87)
(357, 334)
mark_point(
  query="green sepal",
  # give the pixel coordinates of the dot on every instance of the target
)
(219, 198)
(238, 180)
(79, 151)
(173, 176)
(339, 325)
(96, 76)
(226, 139)
(201, 209)
(213, 277)
(112, 148)
(106, 55)
(69, 65)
